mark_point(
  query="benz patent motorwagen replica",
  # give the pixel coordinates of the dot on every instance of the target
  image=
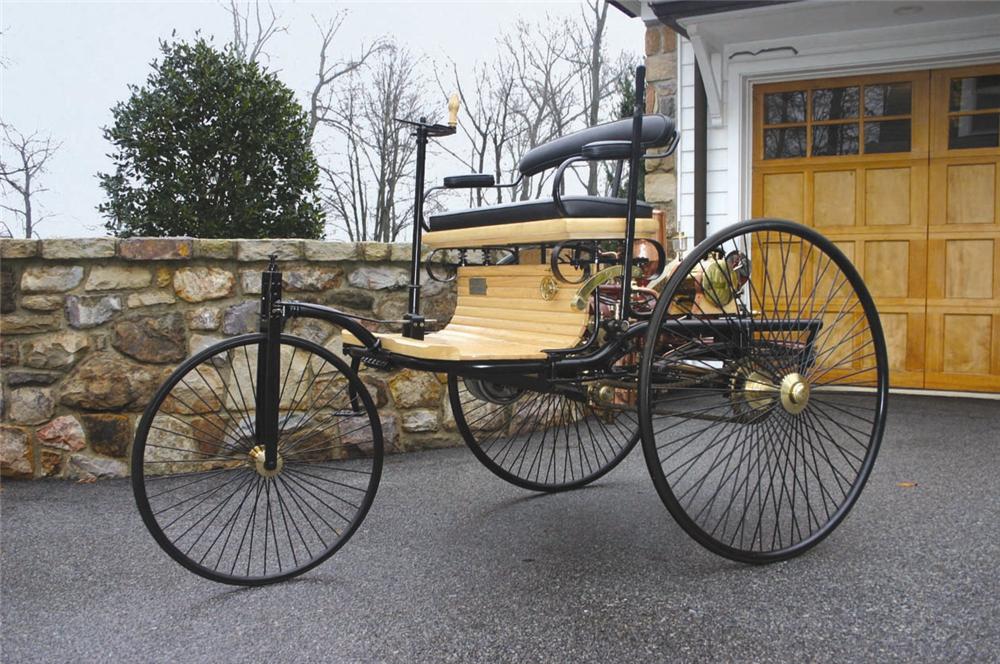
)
(752, 368)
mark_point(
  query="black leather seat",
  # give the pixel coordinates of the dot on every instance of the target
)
(537, 210)
(657, 131)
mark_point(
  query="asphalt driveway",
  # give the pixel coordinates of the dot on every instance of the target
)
(454, 565)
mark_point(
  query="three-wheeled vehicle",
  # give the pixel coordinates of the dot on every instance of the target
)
(752, 368)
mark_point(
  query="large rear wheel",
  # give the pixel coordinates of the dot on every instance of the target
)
(763, 390)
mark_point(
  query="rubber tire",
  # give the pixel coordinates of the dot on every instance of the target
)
(137, 474)
(645, 372)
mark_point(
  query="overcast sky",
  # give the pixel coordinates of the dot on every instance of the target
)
(68, 63)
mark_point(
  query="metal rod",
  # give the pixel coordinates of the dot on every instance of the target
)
(413, 306)
(635, 166)
(330, 315)
(269, 364)
(700, 156)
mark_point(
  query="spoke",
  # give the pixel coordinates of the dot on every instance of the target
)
(230, 525)
(184, 501)
(301, 477)
(293, 494)
(203, 475)
(284, 518)
(289, 480)
(218, 510)
(246, 530)
(245, 415)
(327, 480)
(200, 441)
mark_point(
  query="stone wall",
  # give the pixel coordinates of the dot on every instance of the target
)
(661, 80)
(90, 327)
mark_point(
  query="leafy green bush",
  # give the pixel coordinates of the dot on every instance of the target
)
(211, 146)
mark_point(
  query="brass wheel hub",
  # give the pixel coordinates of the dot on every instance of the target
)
(257, 456)
(758, 392)
(753, 391)
(601, 395)
(794, 393)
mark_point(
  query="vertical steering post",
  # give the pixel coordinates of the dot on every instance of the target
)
(413, 328)
(269, 364)
(634, 172)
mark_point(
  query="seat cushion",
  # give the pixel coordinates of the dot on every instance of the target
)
(537, 210)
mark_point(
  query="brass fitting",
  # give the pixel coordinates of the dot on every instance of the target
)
(257, 455)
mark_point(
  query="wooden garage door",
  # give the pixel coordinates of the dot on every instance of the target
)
(963, 267)
(865, 160)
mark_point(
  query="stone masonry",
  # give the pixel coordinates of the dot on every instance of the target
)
(661, 95)
(91, 327)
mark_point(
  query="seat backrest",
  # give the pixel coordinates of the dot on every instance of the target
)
(657, 131)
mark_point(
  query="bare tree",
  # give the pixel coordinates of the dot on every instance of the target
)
(20, 170)
(4, 60)
(331, 69)
(541, 60)
(598, 76)
(547, 79)
(489, 123)
(252, 28)
(369, 194)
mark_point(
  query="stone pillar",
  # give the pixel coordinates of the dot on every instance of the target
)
(661, 97)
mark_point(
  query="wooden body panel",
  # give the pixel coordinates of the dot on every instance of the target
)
(510, 321)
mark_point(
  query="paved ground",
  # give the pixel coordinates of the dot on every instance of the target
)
(454, 565)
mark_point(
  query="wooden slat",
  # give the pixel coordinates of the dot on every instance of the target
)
(530, 338)
(502, 303)
(534, 232)
(525, 318)
(520, 330)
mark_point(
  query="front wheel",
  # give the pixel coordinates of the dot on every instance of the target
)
(198, 470)
(763, 390)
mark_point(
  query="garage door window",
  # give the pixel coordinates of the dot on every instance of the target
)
(974, 112)
(785, 119)
(833, 121)
(888, 105)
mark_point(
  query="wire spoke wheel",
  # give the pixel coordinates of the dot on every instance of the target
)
(546, 441)
(763, 390)
(198, 470)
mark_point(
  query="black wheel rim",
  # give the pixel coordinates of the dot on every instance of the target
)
(208, 501)
(762, 416)
(548, 441)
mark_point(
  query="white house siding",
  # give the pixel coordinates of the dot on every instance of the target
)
(718, 156)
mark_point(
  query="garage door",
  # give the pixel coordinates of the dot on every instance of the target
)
(902, 172)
